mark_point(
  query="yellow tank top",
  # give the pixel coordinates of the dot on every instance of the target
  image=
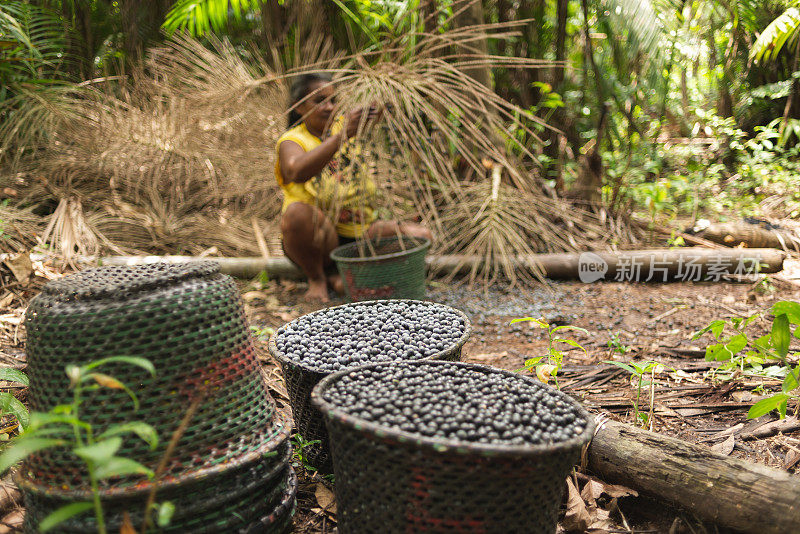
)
(346, 197)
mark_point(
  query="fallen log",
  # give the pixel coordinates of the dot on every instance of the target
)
(750, 235)
(656, 265)
(727, 491)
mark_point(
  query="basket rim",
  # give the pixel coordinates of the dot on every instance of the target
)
(272, 346)
(445, 445)
(424, 244)
(280, 423)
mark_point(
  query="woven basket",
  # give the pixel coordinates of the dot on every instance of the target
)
(188, 320)
(385, 268)
(392, 481)
(264, 510)
(252, 482)
(229, 471)
(300, 381)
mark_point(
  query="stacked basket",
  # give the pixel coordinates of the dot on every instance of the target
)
(349, 336)
(229, 471)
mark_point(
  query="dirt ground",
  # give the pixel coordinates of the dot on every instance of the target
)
(624, 321)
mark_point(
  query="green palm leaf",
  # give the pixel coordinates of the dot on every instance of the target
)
(781, 31)
(199, 17)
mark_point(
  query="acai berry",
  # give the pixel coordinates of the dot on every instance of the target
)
(358, 334)
(451, 401)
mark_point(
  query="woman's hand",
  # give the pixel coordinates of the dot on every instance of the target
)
(354, 119)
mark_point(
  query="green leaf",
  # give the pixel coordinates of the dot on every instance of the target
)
(771, 40)
(736, 343)
(780, 335)
(717, 352)
(571, 343)
(533, 361)
(570, 327)
(13, 375)
(62, 514)
(539, 323)
(625, 366)
(165, 512)
(792, 380)
(118, 466)
(763, 343)
(42, 419)
(24, 446)
(748, 321)
(143, 430)
(715, 327)
(144, 363)
(10, 404)
(764, 406)
(110, 382)
(789, 308)
(99, 452)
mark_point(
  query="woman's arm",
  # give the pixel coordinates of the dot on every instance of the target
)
(299, 166)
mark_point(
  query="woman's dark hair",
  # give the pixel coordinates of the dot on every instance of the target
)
(300, 89)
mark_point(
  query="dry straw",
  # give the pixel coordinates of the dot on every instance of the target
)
(179, 157)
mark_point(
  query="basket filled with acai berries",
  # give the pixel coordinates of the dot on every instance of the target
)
(344, 337)
(433, 446)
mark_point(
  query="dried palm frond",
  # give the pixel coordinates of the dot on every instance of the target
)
(18, 229)
(435, 114)
(71, 232)
(180, 158)
(161, 165)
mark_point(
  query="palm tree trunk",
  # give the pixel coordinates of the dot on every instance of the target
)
(473, 15)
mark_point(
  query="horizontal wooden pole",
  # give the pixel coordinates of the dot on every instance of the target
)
(656, 265)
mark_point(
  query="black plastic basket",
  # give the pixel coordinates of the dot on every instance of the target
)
(392, 481)
(383, 268)
(300, 381)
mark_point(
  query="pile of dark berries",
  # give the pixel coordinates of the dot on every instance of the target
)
(444, 400)
(358, 334)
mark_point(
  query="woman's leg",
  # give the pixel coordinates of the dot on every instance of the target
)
(392, 228)
(308, 239)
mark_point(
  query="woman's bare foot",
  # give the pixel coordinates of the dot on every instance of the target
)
(335, 283)
(317, 291)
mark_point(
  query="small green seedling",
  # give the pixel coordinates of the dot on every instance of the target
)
(9, 404)
(638, 372)
(615, 344)
(767, 355)
(262, 334)
(299, 445)
(548, 368)
(63, 427)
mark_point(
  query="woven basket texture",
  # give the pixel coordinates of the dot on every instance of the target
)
(266, 508)
(230, 469)
(385, 268)
(392, 481)
(189, 322)
(300, 382)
